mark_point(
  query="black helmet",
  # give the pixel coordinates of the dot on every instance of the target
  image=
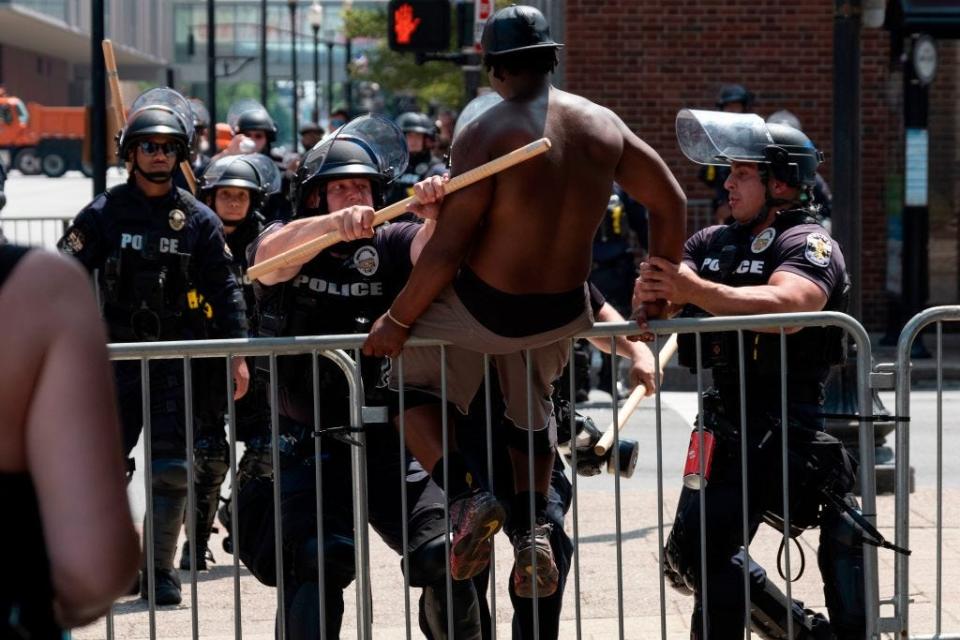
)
(730, 93)
(201, 116)
(250, 115)
(516, 28)
(719, 138)
(412, 122)
(236, 172)
(155, 120)
(346, 157)
(792, 158)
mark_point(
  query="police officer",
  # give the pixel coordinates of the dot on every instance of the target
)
(334, 292)
(255, 131)
(235, 187)
(420, 133)
(163, 274)
(733, 98)
(774, 258)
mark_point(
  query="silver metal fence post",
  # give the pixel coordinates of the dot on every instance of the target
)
(277, 497)
(361, 518)
(404, 524)
(939, 596)
(492, 582)
(235, 494)
(615, 460)
(318, 479)
(574, 503)
(661, 561)
(744, 493)
(148, 484)
(191, 492)
(445, 431)
(704, 608)
(532, 487)
(785, 473)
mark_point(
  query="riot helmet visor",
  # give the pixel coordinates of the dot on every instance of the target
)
(719, 138)
(166, 99)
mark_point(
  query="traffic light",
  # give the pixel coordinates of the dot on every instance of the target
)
(418, 25)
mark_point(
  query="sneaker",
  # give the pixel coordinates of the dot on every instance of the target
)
(205, 556)
(474, 519)
(167, 587)
(534, 551)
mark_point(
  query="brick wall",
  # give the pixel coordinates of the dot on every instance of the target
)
(33, 77)
(646, 59)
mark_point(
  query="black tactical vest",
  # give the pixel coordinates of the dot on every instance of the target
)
(735, 259)
(146, 277)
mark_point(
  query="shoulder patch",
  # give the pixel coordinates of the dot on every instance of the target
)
(366, 260)
(763, 240)
(818, 249)
(73, 242)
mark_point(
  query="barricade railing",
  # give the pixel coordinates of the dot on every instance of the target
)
(35, 231)
(902, 578)
(337, 348)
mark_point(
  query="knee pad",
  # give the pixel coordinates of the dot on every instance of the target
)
(428, 563)
(211, 460)
(338, 561)
(169, 475)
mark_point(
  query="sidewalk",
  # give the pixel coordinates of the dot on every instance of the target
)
(598, 588)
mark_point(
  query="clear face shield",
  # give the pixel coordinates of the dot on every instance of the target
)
(381, 138)
(474, 109)
(719, 138)
(168, 99)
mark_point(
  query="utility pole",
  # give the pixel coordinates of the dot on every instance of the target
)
(212, 74)
(98, 90)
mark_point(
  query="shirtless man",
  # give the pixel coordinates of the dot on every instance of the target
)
(505, 273)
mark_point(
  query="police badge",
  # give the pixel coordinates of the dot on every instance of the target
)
(367, 260)
(177, 219)
(763, 240)
(818, 249)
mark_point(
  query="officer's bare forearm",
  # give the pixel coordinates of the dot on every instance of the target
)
(287, 237)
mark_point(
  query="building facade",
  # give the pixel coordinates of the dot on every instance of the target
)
(646, 59)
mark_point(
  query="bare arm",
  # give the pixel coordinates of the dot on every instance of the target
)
(452, 236)
(648, 180)
(352, 223)
(73, 449)
(785, 292)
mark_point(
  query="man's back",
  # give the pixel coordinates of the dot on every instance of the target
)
(543, 214)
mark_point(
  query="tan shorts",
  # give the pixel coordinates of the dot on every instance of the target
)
(448, 319)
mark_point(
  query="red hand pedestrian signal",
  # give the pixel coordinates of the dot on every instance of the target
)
(405, 23)
(418, 25)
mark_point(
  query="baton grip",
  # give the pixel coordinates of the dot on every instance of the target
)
(289, 257)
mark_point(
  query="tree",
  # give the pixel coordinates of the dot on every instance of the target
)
(398, 74)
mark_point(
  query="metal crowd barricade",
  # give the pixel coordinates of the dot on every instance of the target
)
(335, 348)
(902, 598)
(34, 231)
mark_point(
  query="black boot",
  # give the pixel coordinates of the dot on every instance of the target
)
(169, 504)
(210, 461)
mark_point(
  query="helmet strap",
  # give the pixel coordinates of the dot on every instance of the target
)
(156, 177)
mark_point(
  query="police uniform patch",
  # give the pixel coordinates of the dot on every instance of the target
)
(73, 243)
(367, 260)
(818, 250)
(177, 219)
(763, 240)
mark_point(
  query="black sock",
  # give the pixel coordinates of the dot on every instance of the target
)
(461, 479)
(520, 509)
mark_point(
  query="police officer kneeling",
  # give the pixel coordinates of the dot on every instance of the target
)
(774, 258)
(163, 273)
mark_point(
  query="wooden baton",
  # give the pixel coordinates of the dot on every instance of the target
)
(113, 77)
(633, 400)
(288, 257)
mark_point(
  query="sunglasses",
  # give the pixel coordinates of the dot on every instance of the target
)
(150, 148)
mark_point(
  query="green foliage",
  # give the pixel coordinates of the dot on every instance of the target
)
(398, 73)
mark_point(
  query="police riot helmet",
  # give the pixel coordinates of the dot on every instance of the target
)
(253, 172)
(201, 116)
(413, 122)
(516, 28)
(369, 147)
(250, 115)
(160, 111)
(785, 117)
(730, 93)
(719, 138)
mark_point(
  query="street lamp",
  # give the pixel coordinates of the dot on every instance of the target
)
(330, 36)
(293, 67)
(347, 57)
(316, 19)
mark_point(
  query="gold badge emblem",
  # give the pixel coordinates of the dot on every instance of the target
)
(177, 219)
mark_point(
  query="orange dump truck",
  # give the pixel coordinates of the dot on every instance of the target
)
(35, 138)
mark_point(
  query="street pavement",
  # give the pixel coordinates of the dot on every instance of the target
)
(644, 612)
